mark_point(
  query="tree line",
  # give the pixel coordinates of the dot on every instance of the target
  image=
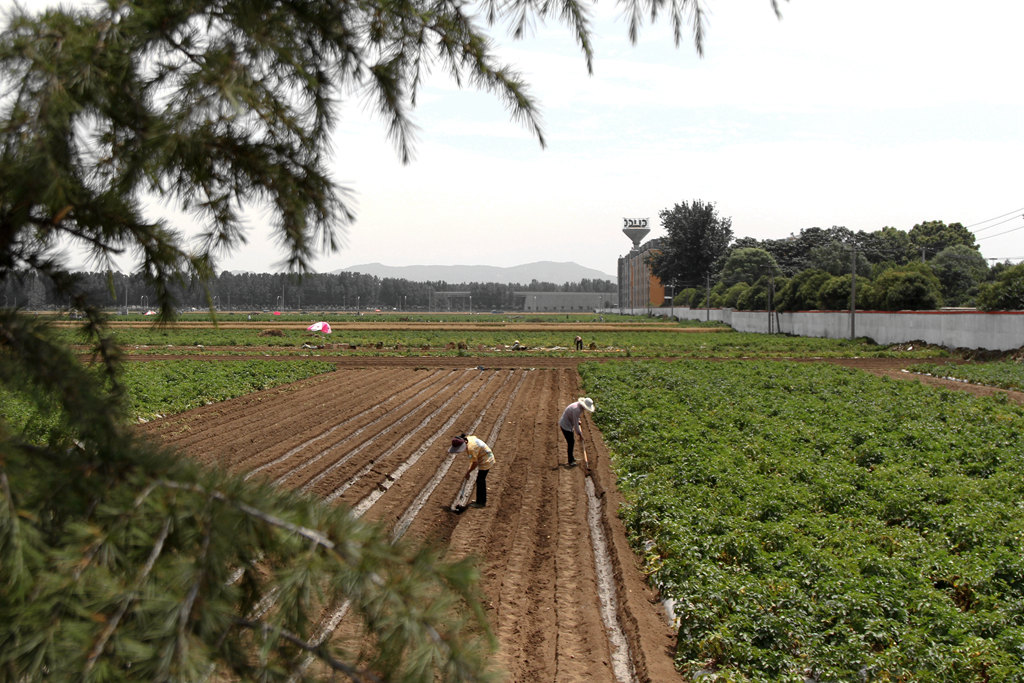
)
(932, 265)
(264, 291)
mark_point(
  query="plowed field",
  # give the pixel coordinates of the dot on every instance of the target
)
(564, 594)
(562, 588)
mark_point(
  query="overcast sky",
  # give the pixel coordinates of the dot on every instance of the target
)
(860, 114)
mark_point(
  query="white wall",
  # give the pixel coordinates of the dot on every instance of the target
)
(1001, 331)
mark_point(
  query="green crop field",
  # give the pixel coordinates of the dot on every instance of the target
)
(642, 338)
(813, 522)
(804, 521)
(1007, 374)
(159, 388)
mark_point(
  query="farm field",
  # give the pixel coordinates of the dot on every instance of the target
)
(811, 522)
(566, 595)
(472, 335)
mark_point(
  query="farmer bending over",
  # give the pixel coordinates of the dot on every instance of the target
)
(570, 425)
(482, 457)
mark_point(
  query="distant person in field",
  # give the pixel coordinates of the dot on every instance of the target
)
(570, 423)
(481, 457)
(579, 343)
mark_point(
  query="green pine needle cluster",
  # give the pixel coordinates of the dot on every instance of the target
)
(132, 562)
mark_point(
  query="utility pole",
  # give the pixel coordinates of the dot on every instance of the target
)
(853, 292)
(707, 315)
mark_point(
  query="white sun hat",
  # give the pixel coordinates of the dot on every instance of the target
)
(587, 403)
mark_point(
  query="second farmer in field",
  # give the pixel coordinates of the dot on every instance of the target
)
(481, 457)
(570, 425)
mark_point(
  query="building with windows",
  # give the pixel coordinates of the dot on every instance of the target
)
(638, 287)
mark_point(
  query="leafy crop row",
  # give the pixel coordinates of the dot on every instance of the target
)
(157, 388)
(810, 521)
(1002, 374)
(658, 342)
(163, 387)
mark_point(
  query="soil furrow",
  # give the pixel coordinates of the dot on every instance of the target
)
(381, 435)
(297, 471)
(384, 485)
(264, 408)
(452, 404)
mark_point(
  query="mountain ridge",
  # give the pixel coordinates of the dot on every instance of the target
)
(555, 272)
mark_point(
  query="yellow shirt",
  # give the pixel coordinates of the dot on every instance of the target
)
(480, 452)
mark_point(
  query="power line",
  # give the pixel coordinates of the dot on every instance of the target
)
(989, 220)
(1005, 220)
(1019, 227)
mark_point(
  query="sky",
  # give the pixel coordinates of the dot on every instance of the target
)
(859, 114)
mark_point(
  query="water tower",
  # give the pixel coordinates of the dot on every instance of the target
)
(636, 229)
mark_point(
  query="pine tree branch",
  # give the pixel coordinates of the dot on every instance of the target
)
(186, 608)
(128, 599)
(307, 533)
(15, 559)
(317, 650)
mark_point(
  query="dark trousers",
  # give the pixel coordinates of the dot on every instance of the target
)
(481, 486)
(570, 439)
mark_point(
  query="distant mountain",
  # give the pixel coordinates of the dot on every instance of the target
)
(542, 271)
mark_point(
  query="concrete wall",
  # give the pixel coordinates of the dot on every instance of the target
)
(1000, 331)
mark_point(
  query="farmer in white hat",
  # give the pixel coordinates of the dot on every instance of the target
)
(570, 425)
(482, 458)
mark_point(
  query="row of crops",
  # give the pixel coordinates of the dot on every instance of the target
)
(812, 522)
(160, 388)
(658, 342)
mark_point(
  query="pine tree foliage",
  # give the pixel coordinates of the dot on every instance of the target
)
(119, 560)
(132, 563)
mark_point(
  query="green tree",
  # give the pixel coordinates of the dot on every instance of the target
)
(887, 244)
(748, 265)
(118, 559)
(960, 269)
(835, 258)
(688, 296)
(697, 240)
(730, 296)
(1006, 293)
(931, 237)
(834, 293)
(907, 288)
(756, 297)
(800, 293)
(794, 253)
